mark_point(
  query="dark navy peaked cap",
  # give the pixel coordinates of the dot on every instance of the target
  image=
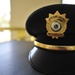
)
(52, 54)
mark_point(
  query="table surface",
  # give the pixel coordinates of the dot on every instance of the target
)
(14, 58)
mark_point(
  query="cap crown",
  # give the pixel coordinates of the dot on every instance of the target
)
(36, 24)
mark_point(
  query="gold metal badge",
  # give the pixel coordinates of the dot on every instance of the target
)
(56, 25)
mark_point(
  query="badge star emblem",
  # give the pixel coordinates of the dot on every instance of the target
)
(56, 24)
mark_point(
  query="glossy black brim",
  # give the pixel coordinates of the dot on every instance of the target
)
(52, 62)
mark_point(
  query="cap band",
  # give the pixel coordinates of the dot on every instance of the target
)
(54, 47)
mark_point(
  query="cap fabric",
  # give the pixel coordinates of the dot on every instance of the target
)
(36, 24)
(52, 62)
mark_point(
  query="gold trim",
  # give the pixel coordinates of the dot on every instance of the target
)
(54, 47)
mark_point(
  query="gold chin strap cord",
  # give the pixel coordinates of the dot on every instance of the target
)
(54, 47)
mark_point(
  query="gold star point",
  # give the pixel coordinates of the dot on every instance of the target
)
(57, 13)
(50, 15)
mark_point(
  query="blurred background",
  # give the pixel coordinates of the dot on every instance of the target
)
(13, 15)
